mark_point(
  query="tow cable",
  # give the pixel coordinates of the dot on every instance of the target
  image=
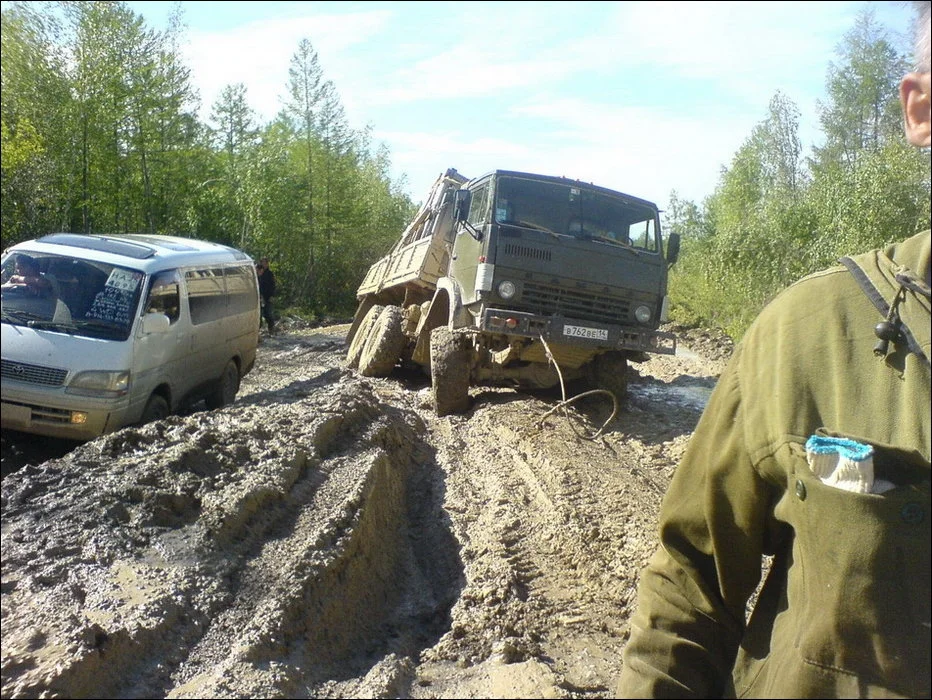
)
(566, 402)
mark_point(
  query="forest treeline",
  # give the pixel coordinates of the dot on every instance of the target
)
(778, 214)
(101, 134)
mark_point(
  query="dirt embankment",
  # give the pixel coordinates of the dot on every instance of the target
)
(328, 536)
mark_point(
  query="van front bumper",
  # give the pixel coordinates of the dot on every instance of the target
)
(55, 414)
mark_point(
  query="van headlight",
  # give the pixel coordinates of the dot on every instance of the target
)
(100, 383)
(506, 289)
(642, 314)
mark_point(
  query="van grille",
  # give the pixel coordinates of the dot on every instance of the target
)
(33, 374)
(551, 301)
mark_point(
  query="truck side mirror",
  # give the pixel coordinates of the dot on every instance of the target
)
(461, 202)
(673, 248)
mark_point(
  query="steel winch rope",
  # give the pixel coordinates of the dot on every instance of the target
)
(566, 402)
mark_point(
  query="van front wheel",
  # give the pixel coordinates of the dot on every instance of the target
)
(227, 387)
(156, 409)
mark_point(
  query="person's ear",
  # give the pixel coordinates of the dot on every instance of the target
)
(917, 108)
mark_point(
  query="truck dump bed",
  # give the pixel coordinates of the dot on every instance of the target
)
(420, 256)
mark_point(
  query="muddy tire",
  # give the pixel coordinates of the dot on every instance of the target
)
(449, 371)
(386, 339)
(609, 371)
(362, 334)
(156, 409)
(227, 387)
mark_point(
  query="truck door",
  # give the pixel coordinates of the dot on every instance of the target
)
(464, 262)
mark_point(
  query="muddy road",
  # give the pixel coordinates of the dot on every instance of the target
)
(328, 536)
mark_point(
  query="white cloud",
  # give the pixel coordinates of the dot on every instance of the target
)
(645, 97)
(258, 54)
(633, 150)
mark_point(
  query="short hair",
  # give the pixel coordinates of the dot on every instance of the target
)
(923, 48)
(27, 262)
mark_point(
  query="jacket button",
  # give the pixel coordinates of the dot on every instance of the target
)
(912, 513)
(800, 490)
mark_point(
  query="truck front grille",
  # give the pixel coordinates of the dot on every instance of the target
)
(32, 374)
(549, 301)
(522, 251)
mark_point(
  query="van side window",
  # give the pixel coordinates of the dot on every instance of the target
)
(241, 289)
(206, 294)
(164, 295)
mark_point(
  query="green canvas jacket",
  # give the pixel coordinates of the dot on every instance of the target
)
(845, 608)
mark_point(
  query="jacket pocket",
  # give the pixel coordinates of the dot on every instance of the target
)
(858, 592)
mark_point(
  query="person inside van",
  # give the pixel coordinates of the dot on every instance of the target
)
(164, 297)
(27, 279)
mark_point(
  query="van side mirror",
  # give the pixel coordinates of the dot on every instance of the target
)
(673, 248)
(461, 201)
(154, 322)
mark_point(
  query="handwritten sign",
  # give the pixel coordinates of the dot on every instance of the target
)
(114, 302)
(124, 280)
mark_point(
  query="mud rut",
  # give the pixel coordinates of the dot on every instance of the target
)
(329, 536)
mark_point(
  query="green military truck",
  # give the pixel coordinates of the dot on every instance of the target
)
(516, 278)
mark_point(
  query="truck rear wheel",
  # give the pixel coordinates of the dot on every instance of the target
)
(362, 333)
(449, 371)
(609, 371)
(386, 339)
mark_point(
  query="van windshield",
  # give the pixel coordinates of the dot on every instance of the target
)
(69, 295)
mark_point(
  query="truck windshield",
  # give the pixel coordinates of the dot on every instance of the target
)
(69, 295)
(575, 210)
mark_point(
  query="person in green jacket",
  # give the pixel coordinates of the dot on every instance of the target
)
(811, 463)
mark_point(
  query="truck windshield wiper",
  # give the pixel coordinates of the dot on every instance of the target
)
(626, 246)
(533, 227)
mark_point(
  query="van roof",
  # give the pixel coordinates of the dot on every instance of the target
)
(145, 251)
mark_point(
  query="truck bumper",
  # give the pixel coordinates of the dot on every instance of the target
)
(556, 329)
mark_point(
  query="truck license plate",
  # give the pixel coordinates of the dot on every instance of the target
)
(584, 332)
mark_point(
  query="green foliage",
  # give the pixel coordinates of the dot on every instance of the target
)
(100, 134)
(771, 222)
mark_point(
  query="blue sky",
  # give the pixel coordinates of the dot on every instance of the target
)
(643, 97)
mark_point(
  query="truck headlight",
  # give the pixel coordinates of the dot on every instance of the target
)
(506, 289)
(642, 314)
(99, 383)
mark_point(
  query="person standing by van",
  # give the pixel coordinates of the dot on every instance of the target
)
(266, 292)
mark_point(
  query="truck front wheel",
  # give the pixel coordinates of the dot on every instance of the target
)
(384, 345)
(609, 371)
(449, 371)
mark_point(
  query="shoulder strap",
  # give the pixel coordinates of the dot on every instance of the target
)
(886, 284)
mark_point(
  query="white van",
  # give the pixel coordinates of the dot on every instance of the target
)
(100, 332)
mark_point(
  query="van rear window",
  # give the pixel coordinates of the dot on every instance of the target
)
(216, 292)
